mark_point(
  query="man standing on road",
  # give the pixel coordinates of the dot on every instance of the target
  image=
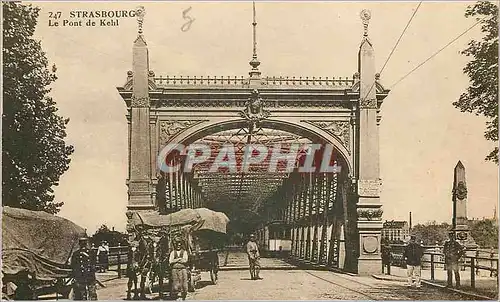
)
(178, 260)
(132, 270)
(253, 258)
(413, 254)
(452, 251)
(386, 257)
(83, 272)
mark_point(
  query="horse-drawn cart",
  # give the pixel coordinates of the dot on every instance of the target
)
(36, 247)
(209, 239)
(202, 231)
(207, 261)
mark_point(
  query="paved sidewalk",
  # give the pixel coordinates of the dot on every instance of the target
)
(239, 261)
(486, 286)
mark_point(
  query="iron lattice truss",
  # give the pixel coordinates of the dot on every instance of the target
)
(251, 187)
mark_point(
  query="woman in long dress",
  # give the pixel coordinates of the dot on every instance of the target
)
(178, 261)
(102, 254)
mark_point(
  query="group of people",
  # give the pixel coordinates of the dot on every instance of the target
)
(141, 262)
(413, 253)
(84, 268)
(84, 271)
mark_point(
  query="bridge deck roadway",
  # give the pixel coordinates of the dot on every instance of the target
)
(282, 281)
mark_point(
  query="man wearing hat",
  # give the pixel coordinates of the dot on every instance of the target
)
(253, 258)
(83, 272)
(452, 251)
(413, 255)
(178, 261)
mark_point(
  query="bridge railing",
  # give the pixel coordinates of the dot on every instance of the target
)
(117, 259)
(241, 81)
(473, 262)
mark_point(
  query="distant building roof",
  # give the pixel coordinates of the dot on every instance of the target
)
(393, 224)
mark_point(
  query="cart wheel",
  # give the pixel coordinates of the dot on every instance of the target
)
(213, 276)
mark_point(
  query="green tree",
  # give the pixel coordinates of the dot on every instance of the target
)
(34, 153)
(481, 96)
(111, 236)
(431, 232)
(484, 232)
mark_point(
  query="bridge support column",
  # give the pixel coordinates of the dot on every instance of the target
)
(369, 212)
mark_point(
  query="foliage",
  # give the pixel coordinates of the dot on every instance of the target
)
(481, 96)
(431, 232)
(484, 232)
(34, 153)
(111, 236)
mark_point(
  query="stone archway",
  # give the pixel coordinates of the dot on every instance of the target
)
(313, 215)
(342, 111)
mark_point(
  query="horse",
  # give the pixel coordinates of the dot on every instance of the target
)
(160, 265)
(140, 262)
(146, 262)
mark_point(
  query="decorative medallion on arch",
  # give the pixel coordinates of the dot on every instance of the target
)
(169, 129)
(370, 244)
(339, 129)
(254, 111)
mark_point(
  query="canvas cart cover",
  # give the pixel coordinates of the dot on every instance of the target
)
(37, 242)
(212, 221)
(155, 220)
(197, 219)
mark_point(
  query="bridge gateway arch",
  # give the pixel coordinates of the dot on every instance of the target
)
(332, 219)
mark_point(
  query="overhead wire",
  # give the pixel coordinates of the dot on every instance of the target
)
(436, 53)
(401, 36)
(395, 45)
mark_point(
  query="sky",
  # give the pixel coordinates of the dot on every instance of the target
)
(422, 136)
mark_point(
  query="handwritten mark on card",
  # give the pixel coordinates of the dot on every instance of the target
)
(190, 21)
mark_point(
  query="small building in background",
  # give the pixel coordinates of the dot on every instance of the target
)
(395, 231)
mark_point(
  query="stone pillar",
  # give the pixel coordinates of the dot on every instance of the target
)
(141, 190)
(459, 197)
(369, 212)
(154, 153)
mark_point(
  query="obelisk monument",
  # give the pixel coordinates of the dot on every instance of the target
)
(459, 220)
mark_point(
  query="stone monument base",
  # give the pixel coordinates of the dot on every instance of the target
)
(464, 237)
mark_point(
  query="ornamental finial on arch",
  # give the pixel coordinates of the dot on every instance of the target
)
(140, 12)
(365, 15)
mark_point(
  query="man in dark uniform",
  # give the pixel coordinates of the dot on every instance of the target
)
(413, 256)
(83, 268)
(132, 270)
(386, 257)
(452, 251)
